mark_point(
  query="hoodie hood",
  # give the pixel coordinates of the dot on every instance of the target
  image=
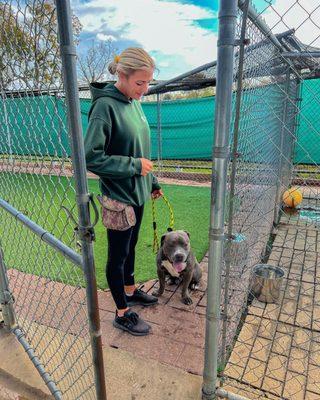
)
(103, 89)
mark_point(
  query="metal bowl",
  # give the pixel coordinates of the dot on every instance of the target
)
(266, 282)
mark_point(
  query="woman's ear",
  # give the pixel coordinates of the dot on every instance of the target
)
(121, 75)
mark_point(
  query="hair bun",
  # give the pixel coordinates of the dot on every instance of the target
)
(112, 68)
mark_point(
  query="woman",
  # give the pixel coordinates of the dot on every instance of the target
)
(117, 146)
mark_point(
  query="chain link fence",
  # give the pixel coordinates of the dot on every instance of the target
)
(268, 344)
(43, 269)
(265, 349)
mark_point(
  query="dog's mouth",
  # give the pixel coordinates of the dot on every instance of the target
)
(179, 266)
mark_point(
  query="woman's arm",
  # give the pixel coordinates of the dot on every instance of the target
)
(101, 164)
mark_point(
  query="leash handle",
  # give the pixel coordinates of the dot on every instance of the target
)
(156, 244)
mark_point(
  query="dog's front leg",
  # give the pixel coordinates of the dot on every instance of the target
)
(162, 282)
(186, 299)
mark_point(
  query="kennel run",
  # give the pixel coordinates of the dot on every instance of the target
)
(266, 135)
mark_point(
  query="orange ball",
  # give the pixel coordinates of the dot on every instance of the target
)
(292, 197)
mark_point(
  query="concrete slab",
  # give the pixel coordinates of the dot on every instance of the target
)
(147, 379)
(277, 350)
(17, 373)
(128, 377)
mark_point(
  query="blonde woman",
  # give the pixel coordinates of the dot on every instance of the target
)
(117, 146)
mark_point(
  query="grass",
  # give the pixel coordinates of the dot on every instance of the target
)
(40, 197)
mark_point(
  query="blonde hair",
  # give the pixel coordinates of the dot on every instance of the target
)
(130, 60)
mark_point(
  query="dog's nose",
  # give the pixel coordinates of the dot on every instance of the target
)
(178, 257)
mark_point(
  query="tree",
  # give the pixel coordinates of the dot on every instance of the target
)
(29, 45)
(13, 45)
(93, 66)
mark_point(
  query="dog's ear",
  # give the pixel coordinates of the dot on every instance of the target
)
(187, 233)
(162, 239)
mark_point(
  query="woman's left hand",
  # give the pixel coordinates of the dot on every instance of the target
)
(156, 194)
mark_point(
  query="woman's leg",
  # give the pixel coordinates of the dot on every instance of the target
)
(118, 250)
(135, 296)
(129, 281)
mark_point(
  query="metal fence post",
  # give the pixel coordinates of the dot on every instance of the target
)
(68, 54)
(159, 134)
(6, 298)
(233, 179)
(283, 131)
(297, 96)
(226, 42)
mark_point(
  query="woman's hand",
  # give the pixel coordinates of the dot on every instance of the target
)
(146, 166)
(156, 194)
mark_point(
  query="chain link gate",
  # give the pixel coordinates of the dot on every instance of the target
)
(47, 277)
(263, 349)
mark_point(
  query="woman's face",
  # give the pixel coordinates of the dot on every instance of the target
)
(136, 84)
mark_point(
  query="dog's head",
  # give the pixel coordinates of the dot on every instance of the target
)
(176, 247)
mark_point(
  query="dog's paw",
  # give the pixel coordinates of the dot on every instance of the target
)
(187, 300)
(172, 280)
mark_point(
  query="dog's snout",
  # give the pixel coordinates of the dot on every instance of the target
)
(179, 257)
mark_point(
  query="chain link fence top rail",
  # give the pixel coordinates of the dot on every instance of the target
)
(36, 179)
(274, 351)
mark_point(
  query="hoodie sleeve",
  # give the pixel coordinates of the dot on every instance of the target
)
(101, 164)
(155, 184)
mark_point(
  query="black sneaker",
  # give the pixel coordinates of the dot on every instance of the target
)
(141, 298)
(132, 323)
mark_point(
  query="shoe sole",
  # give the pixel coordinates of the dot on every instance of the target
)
(123, 328)
(138, 303)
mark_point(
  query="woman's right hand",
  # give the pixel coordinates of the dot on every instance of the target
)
(146, 166)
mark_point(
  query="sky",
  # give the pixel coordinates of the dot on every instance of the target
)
(181, 34)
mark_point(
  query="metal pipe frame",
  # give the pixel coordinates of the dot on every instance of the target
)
(297, 54)
(6, 298)
(263, 27)
(69, 60)
(43, 234)
(159, 134)
(224, 394)
(225, 71)
(155, 88)
(280, 175)
(36, 362)
(233, 176)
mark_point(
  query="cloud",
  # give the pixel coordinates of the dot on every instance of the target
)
(163, 64)
(303, 16)
(166, 29)
(102, 36)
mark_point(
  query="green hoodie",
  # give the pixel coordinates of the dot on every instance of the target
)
(118, 135)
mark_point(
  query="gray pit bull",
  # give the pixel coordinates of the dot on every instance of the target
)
(176, 259)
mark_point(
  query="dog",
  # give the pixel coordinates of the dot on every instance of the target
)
(176, 259)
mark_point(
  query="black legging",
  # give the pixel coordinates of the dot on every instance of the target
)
(121, 255)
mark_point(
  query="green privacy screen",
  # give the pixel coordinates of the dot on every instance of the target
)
(186, 127)
(36, 124)
(307, 149)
